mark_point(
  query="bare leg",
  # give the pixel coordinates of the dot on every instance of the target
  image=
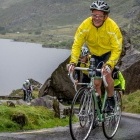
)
(110, 87)
(98, 83)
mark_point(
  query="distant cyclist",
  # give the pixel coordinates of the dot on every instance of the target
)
(119, 81)
(27, 89)
(83, 62)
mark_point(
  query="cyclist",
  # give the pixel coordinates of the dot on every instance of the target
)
(27, 88)
(83, 62)
(104, 40)
(119, 81)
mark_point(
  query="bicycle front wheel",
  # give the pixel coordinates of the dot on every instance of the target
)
(82, 114)
(112, 120)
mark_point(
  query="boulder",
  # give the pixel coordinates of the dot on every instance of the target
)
(59, 84)
(132, 76)
(52, 103)
(20, 119)
(129, 65)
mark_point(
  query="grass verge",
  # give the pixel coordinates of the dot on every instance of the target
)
(22, 118)
(131, 102)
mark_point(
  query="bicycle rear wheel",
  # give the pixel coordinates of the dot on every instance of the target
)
(112, 120)
(82, 115)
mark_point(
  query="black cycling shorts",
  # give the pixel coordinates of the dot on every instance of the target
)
(100, 60)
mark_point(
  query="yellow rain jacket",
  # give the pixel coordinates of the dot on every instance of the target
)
(99, 40)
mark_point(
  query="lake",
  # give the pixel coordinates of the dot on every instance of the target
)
(21, 60)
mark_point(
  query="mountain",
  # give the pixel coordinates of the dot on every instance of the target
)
(61, 17)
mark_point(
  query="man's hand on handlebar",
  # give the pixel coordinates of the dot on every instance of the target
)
(70, 67)
(106, 69)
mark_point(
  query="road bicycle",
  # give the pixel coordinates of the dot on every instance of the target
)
(28, 97)
(86, 112)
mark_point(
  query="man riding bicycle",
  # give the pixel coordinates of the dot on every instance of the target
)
(27, 89)
(104, 40)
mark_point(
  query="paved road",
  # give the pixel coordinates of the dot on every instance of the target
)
(129, 130)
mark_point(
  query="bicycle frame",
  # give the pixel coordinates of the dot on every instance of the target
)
(100, 112)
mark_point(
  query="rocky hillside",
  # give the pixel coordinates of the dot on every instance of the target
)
(33, 13)
(29, 15)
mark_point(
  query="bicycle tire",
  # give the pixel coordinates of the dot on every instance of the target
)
(112, 120)
(82, 114)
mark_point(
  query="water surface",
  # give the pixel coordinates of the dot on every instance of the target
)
(20, 61)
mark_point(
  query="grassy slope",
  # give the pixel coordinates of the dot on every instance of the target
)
(60, 12)
(34, 119)
(131, 102)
